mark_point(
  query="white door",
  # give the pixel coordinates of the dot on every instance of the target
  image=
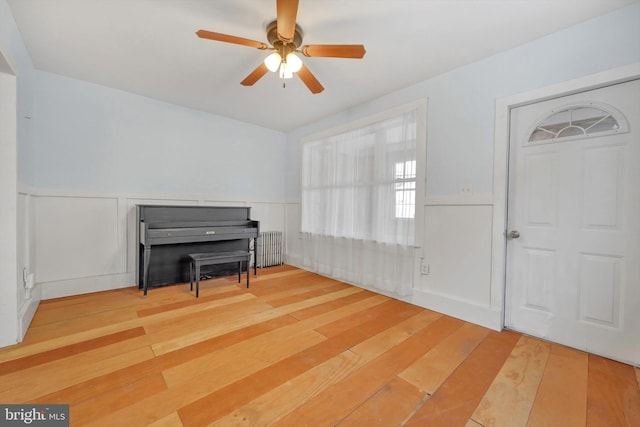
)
(573, 273)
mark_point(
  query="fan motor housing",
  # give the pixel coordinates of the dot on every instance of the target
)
(272, 36)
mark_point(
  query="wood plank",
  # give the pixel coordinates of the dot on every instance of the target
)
(432, 369)
(290, 291)
(38, 347)
(284, 271)
(308, 312)
(274, 286)
(457, 398)
(283, 399)
(171, 420)
(562, 394)
(220, 403)
(510, 397)
(178, 325)
(240, 382)
(191, 338)
(67, 327)
(186, 303)
(148, 409)
(352, 321)
(344, 396)
(101, 384)
(388, 407)
(637, 375)
(128, 299)
(175, 327)
(278, 402)
(380, 343)
(266, 348)
(167, 295)
(613, 397)
(84, 305)
(29, 384)
(115, 399)
(68, 350)
(310, 292)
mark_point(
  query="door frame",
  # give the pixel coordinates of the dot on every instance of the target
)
(502, 122)
(8, 211)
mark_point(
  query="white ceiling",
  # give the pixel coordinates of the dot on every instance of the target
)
(149, 47)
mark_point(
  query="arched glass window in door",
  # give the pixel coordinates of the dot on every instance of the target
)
(578, 121)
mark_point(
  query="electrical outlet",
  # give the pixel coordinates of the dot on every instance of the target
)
(466, 190)
(424, 268)
(31, 279)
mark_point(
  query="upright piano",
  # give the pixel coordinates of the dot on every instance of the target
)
(167, 234)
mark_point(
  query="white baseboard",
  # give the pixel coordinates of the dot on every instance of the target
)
(294, 260)
(26, 313)
(464, 310)
(85, 285)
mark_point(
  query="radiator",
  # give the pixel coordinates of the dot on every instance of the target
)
(270, 248)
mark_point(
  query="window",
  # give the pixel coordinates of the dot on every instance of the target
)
(405, 189)
(362, 183)
(578, 121)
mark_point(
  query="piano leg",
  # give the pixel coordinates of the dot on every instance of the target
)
(255, 258)
(145, 271)
(191, 275)
(197, 272)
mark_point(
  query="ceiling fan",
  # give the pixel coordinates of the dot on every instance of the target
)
(285, 38)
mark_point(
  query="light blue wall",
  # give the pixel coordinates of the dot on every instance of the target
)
(93, 138)
(461, 102)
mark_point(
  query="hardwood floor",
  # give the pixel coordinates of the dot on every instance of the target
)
(298, 349)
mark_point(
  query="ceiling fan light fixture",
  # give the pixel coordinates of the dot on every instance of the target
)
(273, 61)
(285, 71)
(294, 63)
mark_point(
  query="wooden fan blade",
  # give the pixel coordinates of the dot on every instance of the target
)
(204, 34)
(255, 75)
(309, 79)
(334, 50)
(286, 10)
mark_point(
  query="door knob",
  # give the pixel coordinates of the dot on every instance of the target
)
(513, 234)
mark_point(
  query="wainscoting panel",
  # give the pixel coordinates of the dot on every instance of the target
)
(457, 252)
(76, 237)
(293, 243)
(270, 215)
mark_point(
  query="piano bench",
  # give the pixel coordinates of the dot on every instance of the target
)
(198, 260)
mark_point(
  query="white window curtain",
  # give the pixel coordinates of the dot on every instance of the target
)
(358, 204)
